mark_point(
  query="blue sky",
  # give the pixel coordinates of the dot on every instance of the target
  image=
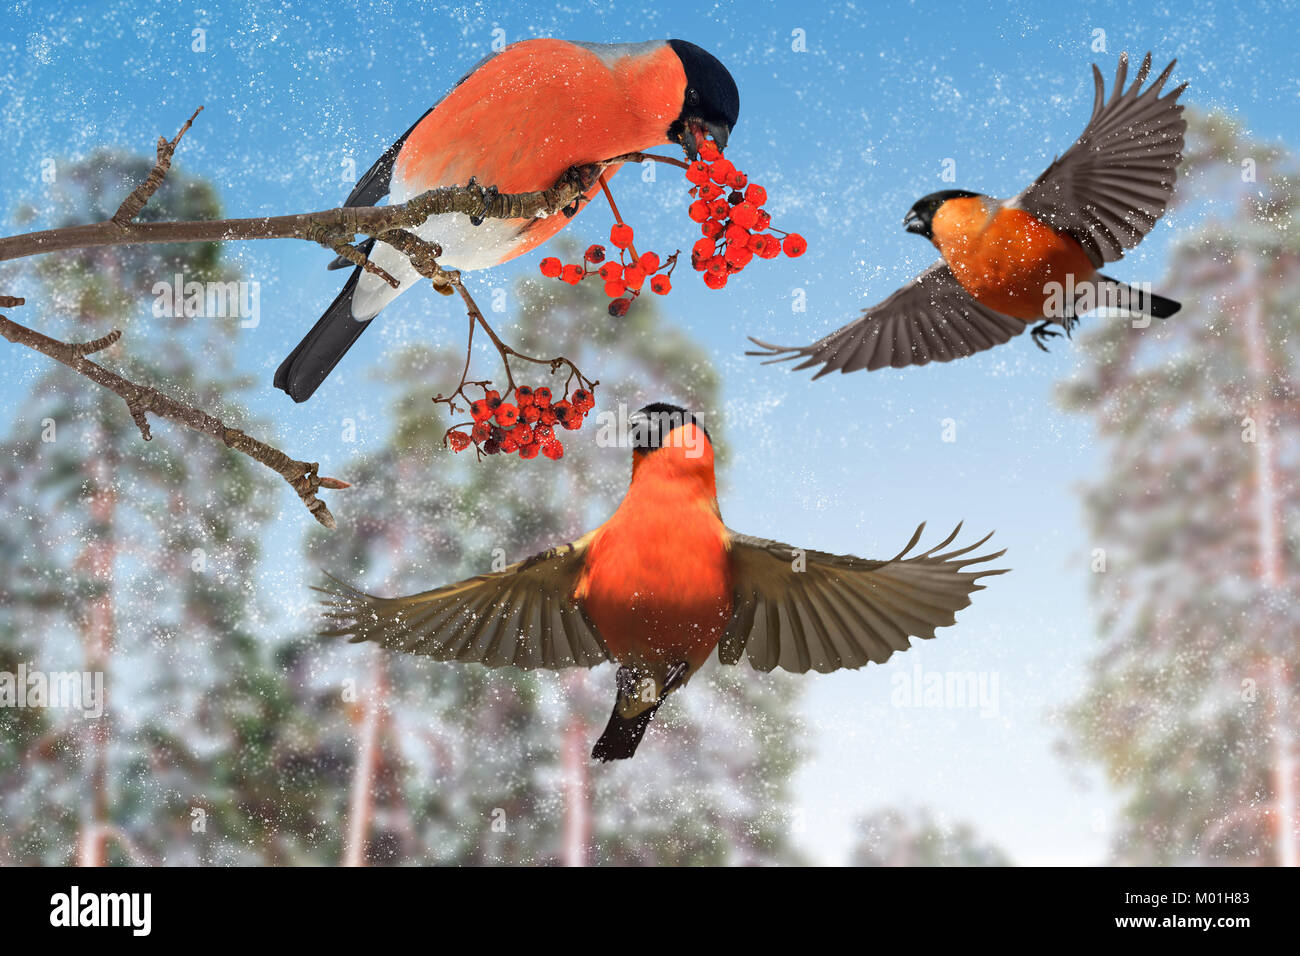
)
(845, 136)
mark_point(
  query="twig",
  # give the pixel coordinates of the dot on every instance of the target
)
(142, 400)
(133, 203)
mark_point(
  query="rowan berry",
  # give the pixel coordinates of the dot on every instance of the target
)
(618, 307)
(553, 449)
(621, 235)
(507, 415)
(529, 451)
(551, 267)
(459, 441)
(720, 170)
(541, 396)
(794, 245)
(594, 254)
(661, 285)
(698, 210)
(649, 262)
(572, 274)
(698, 172)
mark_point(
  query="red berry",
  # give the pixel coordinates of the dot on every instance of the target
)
(720, 170)
(594, 254)
(523, 395)
(771, 248)
(763, 221)
(719, 209)
(615, 287)
(717, 265)
(521, 434)
(530, 413)
(744, 215)
(543, 433)
(710, 192)
(621, 235)
(479, 410)
(711, 228)
(551, 267)
(736, 235)
(698, 172)
(755, 195)
(507, 415)
(458, 441)
(649, 262)
(542, 396)
(794, 245)
(610, 271)
(737, 180)
(572, 274)
(492, 447)
(698, 210)
(618, 307)
(739, 256)
(633, 276)
(661, 285)
(583, 399)
(553, 449)
(709, 151)
(529, 451)
(509, 446)
(715, 280)
(481, 432)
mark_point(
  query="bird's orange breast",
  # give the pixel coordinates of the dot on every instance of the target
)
(1005, 258)
(530, 112)
(657, 582)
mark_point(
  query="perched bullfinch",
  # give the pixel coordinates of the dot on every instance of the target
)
(1033, 258)
(662, 583)
(517, 122)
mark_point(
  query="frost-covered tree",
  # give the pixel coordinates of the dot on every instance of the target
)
(1192, 705)
(919, 838)
(120, 556)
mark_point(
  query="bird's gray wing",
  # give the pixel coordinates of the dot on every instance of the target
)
(1110, 187)
(524, 616)
(808, 610)
(931, 319)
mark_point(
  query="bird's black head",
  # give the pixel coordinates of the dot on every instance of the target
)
(711, 103)
(920, 217)
(649, 426)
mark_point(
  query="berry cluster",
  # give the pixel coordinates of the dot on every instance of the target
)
(526, 425)
(623, 279)
(736, 227)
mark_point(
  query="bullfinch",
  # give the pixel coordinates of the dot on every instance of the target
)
(1033, 258)
(516, 122)
(662, 584)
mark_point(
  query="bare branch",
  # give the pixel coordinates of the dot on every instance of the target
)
(142, 400)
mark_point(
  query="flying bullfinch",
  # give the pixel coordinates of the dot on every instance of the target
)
(662, 583)
(516, 122)
(1032, 258)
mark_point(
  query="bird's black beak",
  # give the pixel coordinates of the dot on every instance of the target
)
(913, 223)
(691, 129)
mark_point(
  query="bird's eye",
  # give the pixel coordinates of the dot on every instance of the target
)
(692, 97)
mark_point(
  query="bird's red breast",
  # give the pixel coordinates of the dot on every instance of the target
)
(530, 112)
(657, 582)
(1006, 258)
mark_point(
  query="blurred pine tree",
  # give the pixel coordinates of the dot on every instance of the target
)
(1191, 706)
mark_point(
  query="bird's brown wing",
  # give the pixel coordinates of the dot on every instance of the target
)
(931, 319)
(1111, 186)
(807, 610)
(523, 616)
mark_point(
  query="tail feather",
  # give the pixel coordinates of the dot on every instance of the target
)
(310, 363)
(1147, 303)
(622, 735)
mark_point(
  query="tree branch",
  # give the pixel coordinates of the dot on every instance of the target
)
(142, 400)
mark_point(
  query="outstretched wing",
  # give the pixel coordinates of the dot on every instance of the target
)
(801, 610)
(1110, 187)
(931, 319)
(523, 616)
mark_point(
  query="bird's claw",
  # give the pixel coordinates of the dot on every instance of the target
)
(486, 195)
(1043, 331)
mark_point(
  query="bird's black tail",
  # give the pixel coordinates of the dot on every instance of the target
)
(1147, 303)
(320, 350)
(622, 735)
